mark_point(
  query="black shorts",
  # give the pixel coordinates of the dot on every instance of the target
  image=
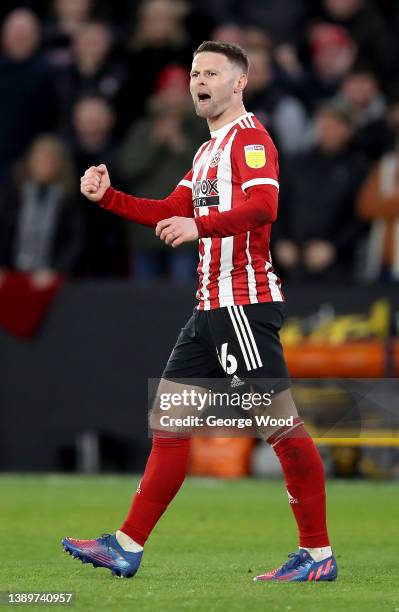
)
(238, 342)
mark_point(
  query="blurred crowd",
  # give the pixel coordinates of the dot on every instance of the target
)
(84, 82)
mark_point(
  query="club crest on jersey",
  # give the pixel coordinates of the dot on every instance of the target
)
(216, 158)
(255, 156)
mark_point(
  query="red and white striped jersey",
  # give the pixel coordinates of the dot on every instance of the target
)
(236, 269)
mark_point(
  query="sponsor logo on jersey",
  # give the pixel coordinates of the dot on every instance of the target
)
(205, 193)
(255, 156)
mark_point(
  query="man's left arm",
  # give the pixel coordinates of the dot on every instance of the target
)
(255, 165)
(259, 208)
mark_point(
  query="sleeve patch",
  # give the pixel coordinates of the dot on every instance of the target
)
(255, 156)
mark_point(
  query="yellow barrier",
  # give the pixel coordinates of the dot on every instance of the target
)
(357, 441)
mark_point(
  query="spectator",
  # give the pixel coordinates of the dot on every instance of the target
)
(93, 144)
(63, 24)
(40, 225)
(332, 55)
(283, 19)
(229, 33)
(283, 115)
(317, 231)
(378, 203)
(361, 92)
(93, 71)
(159, 39)
(159, 26)
(254, 38)
(27, 94)
(156, 154)
(6, 6)
(367, 28)
(93, 123)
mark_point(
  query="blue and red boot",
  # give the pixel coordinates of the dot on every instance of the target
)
(105, 552)
(301, 567)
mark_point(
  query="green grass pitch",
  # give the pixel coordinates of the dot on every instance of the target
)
(205, 551)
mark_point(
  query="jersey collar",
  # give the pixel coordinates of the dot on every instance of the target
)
(223, 130)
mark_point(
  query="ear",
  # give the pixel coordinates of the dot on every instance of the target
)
(241, 83)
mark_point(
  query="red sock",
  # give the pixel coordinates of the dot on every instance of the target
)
(304, 477)
(164, 474)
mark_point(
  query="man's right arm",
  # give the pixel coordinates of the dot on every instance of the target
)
(95, 185)
(149, 212)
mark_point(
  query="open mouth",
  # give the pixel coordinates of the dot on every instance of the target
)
(203, 98)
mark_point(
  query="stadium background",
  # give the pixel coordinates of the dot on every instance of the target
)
(87, 313)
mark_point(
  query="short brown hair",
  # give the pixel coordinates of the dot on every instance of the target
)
(233, 52)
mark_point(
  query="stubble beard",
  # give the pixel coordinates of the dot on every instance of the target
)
(204, 113)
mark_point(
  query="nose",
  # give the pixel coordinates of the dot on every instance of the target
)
(201, 80)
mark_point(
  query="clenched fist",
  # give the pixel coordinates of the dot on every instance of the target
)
(95, 182)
